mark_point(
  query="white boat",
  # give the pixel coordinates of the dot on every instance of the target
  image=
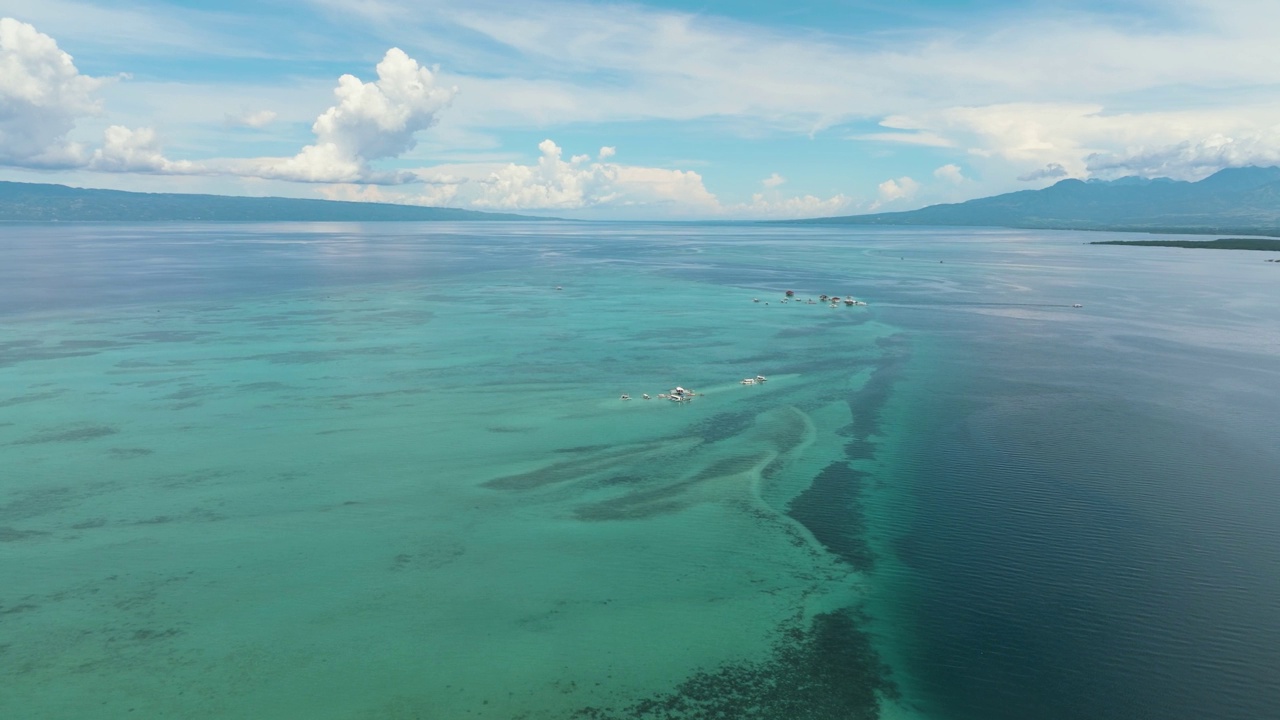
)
(748, 381)
(761, 378)
(680, 394)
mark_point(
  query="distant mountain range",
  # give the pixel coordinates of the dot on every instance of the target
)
(33, 202)
(1240, 201)
(1236, 201)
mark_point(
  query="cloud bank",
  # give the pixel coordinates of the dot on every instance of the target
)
(581, 182)
(1191, 159)
(1044, 141)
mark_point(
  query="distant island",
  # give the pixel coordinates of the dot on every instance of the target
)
(1234, 201)
(1223, 244)
(35, 202)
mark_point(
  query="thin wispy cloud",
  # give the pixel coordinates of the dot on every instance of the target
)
(152, 30)
(925, 138)
(256, 119)
(740, 66)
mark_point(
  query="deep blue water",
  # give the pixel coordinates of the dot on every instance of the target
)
(1097, 503)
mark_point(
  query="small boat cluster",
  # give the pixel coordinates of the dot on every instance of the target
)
(679, 394)
(831, 300)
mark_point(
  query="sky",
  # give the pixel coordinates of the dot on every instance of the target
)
(713, 110)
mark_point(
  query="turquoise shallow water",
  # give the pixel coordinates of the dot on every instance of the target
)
(392, 477)
(383, 471)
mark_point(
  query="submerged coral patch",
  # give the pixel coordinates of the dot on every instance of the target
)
(30, 397)
(638, 504)
(831, 509)
(14, 352)
(69, 434)
(828, 671)
(568, 470)
(125, 453)
(8, 534)
(722, 426)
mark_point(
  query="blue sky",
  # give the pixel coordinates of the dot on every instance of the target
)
(663, 109)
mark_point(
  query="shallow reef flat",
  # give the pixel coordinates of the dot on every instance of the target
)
(401, 498)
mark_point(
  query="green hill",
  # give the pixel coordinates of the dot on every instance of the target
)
(32, 202)
(1237, 201)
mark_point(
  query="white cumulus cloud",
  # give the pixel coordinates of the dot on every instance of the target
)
(772, 205)
(554, 183)
(370, 121)
(950, 173)
(42, 94)
(126, 150)
(892, 190)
